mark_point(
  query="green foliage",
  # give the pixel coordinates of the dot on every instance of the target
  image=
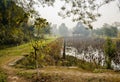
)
(27, 62)
(87, 66)
(85, 11)
(40, 27)
(30, 60)
(26, 74)
(13, 24)
(51, 55)
(3, 76)
(47, 29)
(110, 51)
(70, 61)
(111, 32)
(107, 30)
(73, 61)
(47, 54)
(98, 71)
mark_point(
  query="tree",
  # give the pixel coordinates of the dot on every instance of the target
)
(54, 30)
(98, 32)
(47, 29)
(110, 52)
(107, 30)
(85, 11)
(80, 29)
(63, 30)
(12, 18)
(40, 24)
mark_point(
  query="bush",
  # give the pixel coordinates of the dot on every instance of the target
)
(72, 61)
(3, 76)
(110, 52)
(49, 54)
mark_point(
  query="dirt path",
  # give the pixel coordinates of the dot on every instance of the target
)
(11, 71)
(12, 77)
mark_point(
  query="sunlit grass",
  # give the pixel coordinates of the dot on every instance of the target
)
(20, 50)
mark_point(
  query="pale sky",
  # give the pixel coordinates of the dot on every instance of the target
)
(110, 13)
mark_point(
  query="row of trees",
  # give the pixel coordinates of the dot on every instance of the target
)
(81, 30)
(107, 30)
(63, 30)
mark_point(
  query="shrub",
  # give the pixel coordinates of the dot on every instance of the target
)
(110, 52)
(3, 76)
(48, 54)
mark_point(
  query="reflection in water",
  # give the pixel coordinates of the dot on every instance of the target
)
(91, 55)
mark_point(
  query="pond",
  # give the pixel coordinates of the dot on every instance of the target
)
(91, 55)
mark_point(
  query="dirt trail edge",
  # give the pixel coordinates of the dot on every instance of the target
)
(11, 71)
(12, 77)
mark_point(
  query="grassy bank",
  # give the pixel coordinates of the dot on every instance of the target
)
(19, 50)
(11, 53)
(47, 55)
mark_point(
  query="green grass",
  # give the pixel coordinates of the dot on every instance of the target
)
(8, 53)
(3, 76)
(47, 55)
(27, 75)
(19, 50)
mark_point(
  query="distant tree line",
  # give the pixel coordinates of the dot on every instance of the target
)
(81, 30)
(63, 30)
(107, 30)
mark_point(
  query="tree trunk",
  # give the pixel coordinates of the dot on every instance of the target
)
(36, 61)
(64, 49)
(109, 63)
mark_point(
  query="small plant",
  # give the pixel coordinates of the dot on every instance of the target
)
(27, 75)
(98, 71)
(47, 54)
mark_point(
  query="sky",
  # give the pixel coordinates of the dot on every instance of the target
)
(110, 13)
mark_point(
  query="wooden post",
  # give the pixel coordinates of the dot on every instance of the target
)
(64, 46)
(36, 61)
